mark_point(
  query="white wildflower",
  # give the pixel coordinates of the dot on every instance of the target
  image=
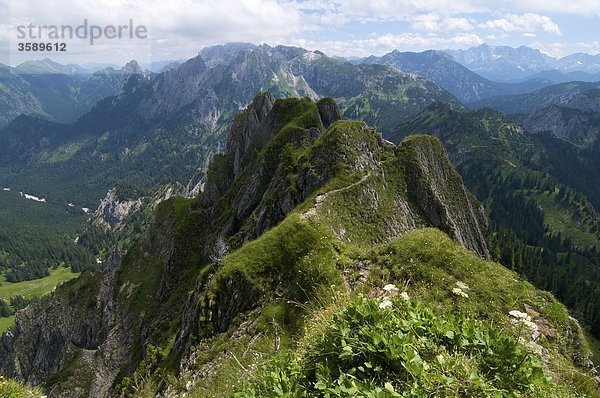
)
(390, 289)
(385, 303)
(404, 296)
(519, 315)
(458, 292)
(462, 285)
(522, 319)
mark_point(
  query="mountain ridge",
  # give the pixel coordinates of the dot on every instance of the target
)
(259, 199)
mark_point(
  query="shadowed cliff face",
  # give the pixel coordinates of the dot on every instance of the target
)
(288, 163)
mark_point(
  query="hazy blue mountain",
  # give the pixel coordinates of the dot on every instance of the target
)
(46, 65)
(17, 96)
(579, 62)
(224, 53)
(504, 63)
(555, 76)
(466, 85)
(578, 95)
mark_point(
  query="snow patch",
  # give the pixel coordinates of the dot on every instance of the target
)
(311, 56)
(32, 197)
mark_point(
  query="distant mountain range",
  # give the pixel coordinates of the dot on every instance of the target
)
(505, 63)
(180, 116)
(465, 84)
(579, 95)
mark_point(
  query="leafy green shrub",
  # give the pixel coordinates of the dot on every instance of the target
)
(395, 347)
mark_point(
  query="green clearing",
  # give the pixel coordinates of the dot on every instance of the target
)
(564, 221)
(36, 287)
(6, 323)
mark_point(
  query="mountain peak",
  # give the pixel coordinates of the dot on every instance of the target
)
(132, 68)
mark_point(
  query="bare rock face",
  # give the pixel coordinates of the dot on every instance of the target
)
(114, 211)
(68, 326)
(243, 136)
(438, 190)
(329, 112)
(131, 75)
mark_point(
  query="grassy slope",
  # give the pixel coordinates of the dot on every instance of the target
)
(12, 389)
(426, 261)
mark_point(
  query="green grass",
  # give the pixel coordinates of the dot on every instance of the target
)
(36, 287)
(563, 220)
(13, 389)
(392, 347)
(425, 263)
(6, 323)
(65, 152)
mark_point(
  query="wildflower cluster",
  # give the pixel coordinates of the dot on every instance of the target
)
(530, 331)
(460, 289)
(393, 346)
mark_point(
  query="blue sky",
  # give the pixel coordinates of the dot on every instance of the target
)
(180, 28)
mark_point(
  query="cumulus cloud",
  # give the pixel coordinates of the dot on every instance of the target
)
(591, 46)
(528, 22)
(394, 10)
(382, 44)
(434, 23)
(556, 49)
(178, 28)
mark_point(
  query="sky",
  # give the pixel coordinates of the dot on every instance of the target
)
(178, 29)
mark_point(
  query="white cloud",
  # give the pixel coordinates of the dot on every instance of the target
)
(385, 43)
(576, 7)
(178, 28)
(433, 23)
(398, 10)
(388, 10)
(593, 46)
(555, 49)
(528, 22)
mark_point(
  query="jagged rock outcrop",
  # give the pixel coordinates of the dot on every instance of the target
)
(328, 111)
(131, 76)
(370, 191)
(439, 192)
(242, 137)
(114, 211)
